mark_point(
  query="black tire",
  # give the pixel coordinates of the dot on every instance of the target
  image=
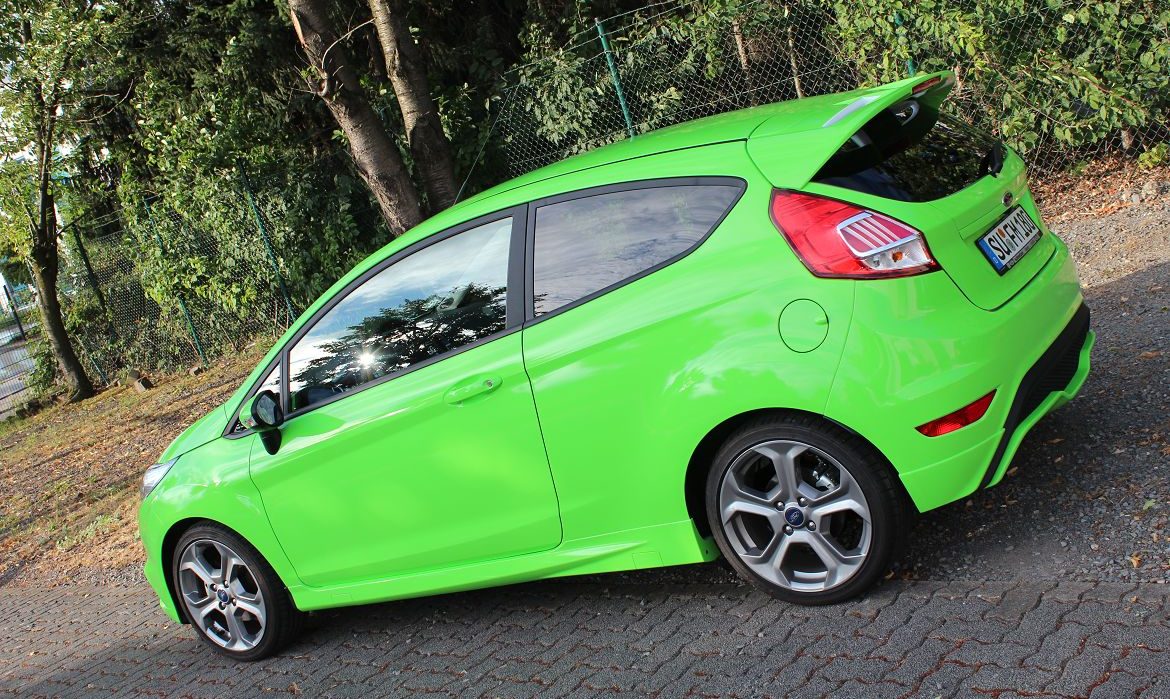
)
(891, 513)
(282, 620)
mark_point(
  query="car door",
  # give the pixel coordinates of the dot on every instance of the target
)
(617, 319)
(411, 440)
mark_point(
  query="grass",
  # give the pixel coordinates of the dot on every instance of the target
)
(70, 474)
(100, 524)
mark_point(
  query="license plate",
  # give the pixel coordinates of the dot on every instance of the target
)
(1009, 240)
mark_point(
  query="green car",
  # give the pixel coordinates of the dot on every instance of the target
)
(773, 335)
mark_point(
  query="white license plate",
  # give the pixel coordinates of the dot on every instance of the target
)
(1010, 239)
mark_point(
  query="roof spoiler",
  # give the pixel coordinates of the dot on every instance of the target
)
(791, 158)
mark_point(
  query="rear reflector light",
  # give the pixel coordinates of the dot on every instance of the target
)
(838, 240)
(960, 418)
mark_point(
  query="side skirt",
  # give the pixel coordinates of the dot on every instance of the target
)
(676, 543)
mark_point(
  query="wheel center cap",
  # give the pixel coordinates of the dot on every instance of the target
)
(223, 596)
(794, 516)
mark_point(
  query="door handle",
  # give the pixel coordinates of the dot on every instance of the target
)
(479, 385)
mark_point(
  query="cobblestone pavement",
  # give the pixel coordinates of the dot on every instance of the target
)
(647, 637)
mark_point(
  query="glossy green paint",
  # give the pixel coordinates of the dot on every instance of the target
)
(627, 384)
(919, 350)
(416, 483)
(577, 460)
(210, 482)
(803, 325)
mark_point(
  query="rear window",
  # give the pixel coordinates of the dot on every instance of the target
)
(910, 152)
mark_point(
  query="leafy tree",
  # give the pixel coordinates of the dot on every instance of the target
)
(337, 83)
(48, 48)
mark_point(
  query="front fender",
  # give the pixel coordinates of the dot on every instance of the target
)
(209, 483)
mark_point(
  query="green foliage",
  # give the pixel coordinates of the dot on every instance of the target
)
(1152, 158)
(43, 378)
(1055, 74)
(212, 85)
(1051, 77)
(207, 86)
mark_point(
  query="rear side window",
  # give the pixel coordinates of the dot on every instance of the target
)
(910, 152)
(588, 244)
(447, 295)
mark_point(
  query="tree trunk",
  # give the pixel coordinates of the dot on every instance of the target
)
(374, 153)
(792, 62)
(744, 63)
(44, 274)
(424, 132)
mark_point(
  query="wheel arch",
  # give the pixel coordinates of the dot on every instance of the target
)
(171, 540)
(705, 450)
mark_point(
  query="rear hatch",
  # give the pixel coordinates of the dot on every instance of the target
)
(888, 149)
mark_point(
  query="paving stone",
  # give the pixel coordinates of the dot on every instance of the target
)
(1120, 684)
(1087, 669)
(992, 679)
(870, 690)
(975, 652)
(1017, 602)
(1057, 647)
(943, 681)
(569, 639)
(1068, 591)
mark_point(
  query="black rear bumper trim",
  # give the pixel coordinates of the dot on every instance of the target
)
(1052, 372)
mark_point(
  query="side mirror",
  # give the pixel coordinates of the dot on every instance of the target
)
(262, 414)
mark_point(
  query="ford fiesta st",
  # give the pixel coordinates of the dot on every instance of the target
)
(773, 335)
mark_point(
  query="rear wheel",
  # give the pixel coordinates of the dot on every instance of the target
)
(805, 510)
(232, 597)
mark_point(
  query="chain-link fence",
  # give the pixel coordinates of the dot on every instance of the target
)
(1061, 82)
(18, 325)
(154, 287)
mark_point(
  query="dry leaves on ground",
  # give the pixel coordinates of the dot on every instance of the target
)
(70, 474)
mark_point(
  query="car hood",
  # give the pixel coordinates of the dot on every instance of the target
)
(204, 430)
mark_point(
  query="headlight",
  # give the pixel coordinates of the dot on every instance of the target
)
(154, 474)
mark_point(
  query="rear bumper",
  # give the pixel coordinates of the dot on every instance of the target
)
(1051, 382)
(924, 351)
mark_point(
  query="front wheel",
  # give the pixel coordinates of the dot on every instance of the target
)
(804, 510)
(232, 597)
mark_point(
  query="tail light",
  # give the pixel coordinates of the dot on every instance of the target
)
(960, 418)
(838, 240)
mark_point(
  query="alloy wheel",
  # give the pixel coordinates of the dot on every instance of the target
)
(221, 595)
(795, 516)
